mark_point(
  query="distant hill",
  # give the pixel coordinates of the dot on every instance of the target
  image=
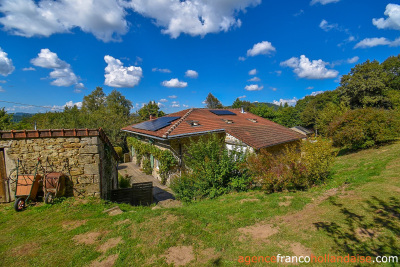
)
(18, 116)
(266, 103)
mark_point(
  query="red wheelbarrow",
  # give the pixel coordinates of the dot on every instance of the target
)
(53, 186)
(27, 186)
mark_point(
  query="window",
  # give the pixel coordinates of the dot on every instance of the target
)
(253, 120)
(193, 123)
(156, 164)
(228, 121)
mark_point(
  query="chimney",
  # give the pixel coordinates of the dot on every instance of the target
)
(152, 117)
(242, 110)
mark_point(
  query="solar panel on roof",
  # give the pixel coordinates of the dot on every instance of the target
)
(222, 112)
(156, 124)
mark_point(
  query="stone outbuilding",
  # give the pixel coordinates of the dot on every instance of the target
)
(86, 156)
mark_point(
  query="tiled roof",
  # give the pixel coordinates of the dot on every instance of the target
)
(253, 130)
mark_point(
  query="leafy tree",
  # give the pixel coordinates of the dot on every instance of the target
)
(392, 68)
(287, 116)
(265, 111)
(213, 102)
(246, 105)
(5, 120)
(365, 86)
(118, 104)
(150, 109)
(94, 101)
(330, 112)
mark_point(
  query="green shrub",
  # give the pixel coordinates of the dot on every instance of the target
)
(147, 166)
(124, 182)
(211, 170)
(363, 128)
(119, 152)
(297, 167)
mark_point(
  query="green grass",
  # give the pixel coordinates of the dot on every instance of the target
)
(367, 197)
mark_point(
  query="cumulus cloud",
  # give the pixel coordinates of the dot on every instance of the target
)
(372, 42)
(310, 88)
(192, 74)
(273, 88)
(326, 26)
(174, 83)
(3, 81)
(172, 96)
(1, 89)
(160, 105)
(253, 72)
(290, 102)
(243, 96)
(304, 68)
(323, 2)
(185, 106)
(193, 17)
(163, 100)
(175, 104)
(242, 58)
(254, 79)
(161, 70)
(253, 87)
(62, 73)
(263, 48)
(119, 76)
(393, 21)
(6, 65)
(316, 93)
(105, 19)
(29, 69)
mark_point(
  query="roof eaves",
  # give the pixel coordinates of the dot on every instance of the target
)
(143, 134)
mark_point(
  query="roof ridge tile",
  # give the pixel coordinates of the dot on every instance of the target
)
(177, 123)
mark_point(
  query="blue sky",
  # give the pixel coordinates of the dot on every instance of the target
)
(176, 52)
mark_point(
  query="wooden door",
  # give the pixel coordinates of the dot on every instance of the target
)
(3, 177)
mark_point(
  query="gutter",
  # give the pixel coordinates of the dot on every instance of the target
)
(175, 136)
(147, 135)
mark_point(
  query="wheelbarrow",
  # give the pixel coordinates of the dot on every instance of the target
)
(27, 186)
(53, 186)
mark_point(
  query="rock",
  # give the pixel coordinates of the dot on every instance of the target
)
(114, 211)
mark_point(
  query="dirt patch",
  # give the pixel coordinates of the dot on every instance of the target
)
(169, 203)
(208, 257)
(110, 243)
(300, 250)
(26, 249)
(285, 204)
(365, 234)
(87, 239)
(258, 231)
(179, 255)
(122, 222)
(249, 200)
(107, 262)
(71, 225)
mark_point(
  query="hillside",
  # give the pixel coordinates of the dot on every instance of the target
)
(356, 212)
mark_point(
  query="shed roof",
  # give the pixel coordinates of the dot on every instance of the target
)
(251, 129)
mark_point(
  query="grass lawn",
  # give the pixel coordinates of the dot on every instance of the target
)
(356, 212)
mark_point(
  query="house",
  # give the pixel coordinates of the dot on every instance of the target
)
(304, 131)
(239, 129)
(86, 156)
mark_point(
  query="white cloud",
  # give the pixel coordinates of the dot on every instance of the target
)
(372, 42)
(175, 104)
(105, 19)
(253, 72)
(1, 89)
(160, 105)
(310, 88)
(62, 72)
(278, 72)
(185, 106)
(193, 17)
(242, 58)
(29, 69)
(353, 60)
(119, 76)
(70, 104)
(323, 2)
(174, 83)
(163, 100)
(316, 93)
(3, 81)
(243, 96)
(290, 102)
(253, 87)
(254, 79)
(192, 74)
(6, 65)
(326, 26)
(161, 70)
(273, 88)
(263, 48)
(304, 68)
(393, 21)
(172, 96)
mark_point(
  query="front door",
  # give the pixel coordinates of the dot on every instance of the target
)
(3, 177)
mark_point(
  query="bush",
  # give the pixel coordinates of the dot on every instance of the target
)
(297, 167)
(363, 128)
(119, 152)
(124, 182)
(211, 170)
(147, 166)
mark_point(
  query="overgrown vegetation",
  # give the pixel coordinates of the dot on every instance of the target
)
(298, 166)
(211, 170)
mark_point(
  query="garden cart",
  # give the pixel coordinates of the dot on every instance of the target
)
(26, 188)
(53, 186)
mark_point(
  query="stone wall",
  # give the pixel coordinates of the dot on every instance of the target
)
(90, 170)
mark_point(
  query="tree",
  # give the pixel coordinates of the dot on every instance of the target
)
(365, 86)
(392, 68)
(150, 109)
(264, 111)
(246, 105)
(118, 104)
(94, 101)
(5, 120)
(212, 102)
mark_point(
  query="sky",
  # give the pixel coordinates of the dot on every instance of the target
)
(175, 52)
